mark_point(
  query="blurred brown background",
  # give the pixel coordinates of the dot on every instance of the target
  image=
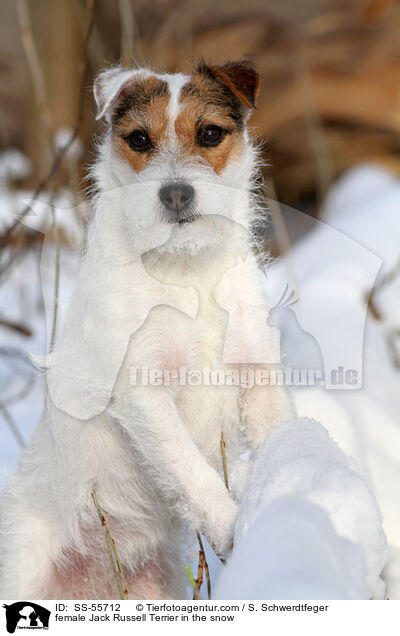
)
(330, 100)
(331, 74)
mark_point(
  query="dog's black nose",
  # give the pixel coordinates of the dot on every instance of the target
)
(176, 196)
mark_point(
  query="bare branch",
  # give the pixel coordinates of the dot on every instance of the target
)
(199, 580)
(22, 393)
(62, 152)
(15, 326)
(190, 576)
(281, 233)
(35, 68)
(205, 565)
(224, 463)
(56, 281)
(127, 22)
(112, 553)
(12, 425)
(324, 168)
(387, 278)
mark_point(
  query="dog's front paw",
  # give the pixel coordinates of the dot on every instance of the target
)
(219, 528)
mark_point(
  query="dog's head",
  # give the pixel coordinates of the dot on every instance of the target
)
(177, 153)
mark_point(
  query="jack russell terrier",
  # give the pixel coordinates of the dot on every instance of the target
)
(169, 281)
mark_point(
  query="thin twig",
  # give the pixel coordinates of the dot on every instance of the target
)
(199, 580)
(120, 568)
(205, 565)
(109, 550)
(208, 579)
(190, 576)
(12, 425)
(18, 248)
(281, 233)
(98, 48)
(56, 281)
(32, 58)
(391, 340)
(16, 326)
(389, 277)
(127, 23)
(64, 149)
(16, 255)
(224, 464)
(22, 393)
(324, 168)
(370, 298)
(112, 553)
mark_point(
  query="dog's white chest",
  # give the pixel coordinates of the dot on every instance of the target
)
(186, 353)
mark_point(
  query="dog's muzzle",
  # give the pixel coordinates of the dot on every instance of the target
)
(177, 198)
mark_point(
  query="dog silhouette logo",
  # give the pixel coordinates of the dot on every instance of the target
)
(26, 615)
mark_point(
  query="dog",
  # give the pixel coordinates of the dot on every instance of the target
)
(169, 259)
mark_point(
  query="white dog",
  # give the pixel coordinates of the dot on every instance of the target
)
(168, 281)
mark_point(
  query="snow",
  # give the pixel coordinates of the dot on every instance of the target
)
(361, 207)
(23, 296)
(68, 212)
(69, 208)
(292, 552)
(62, 138)
(13, 165)
(298, 465)
(309, 526)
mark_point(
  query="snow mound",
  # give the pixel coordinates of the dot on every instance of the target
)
(332, 284)
(293, 552)
(306, 522)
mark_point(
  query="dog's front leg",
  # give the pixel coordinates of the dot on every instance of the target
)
(183, 476)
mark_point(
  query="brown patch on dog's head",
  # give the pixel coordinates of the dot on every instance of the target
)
(137, 97)
(141, 109)
(217, 97)
(137, 111)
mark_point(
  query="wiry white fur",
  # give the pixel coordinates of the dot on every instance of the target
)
(144, 298)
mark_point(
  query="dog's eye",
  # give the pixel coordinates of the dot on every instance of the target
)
(211, 135)
(139, 140)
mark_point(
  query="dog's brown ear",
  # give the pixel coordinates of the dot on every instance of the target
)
(240, 77)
